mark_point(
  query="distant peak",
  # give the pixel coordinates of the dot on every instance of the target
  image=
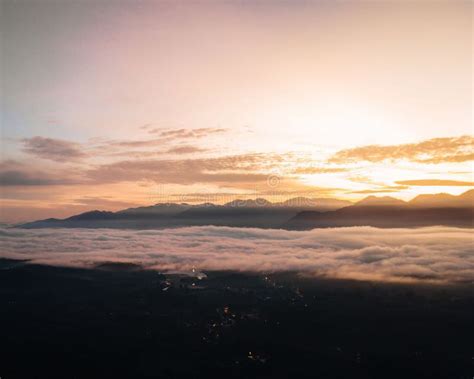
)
(299, 201)
(171, 205)
(91, 215)
(468, 193)
(314, 202)
(202, 205)
(466, 199)
(379, 201)
(259, 202)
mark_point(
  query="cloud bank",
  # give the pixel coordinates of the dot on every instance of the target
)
(435, 254)
(436, 150)
(14, 173)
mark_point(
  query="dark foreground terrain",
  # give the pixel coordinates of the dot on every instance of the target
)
(121, 322)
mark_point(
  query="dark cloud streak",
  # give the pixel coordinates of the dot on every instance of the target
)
(53, 149)
(20, 178)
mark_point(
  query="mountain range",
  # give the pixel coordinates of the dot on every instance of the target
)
(297, 213)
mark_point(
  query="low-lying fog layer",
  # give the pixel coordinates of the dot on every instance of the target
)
(437, 254)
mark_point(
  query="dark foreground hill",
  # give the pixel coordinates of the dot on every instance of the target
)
(114, 322)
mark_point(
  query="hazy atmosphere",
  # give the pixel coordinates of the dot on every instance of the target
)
(112, 104)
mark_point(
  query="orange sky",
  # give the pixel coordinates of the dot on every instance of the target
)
(113, 104)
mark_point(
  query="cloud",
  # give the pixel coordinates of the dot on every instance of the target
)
(53, 149)
(377, 187)
(435, 182)
(249, 172)
(435, 254)
(20, 178)
(247, 168)
(136, 143)
(436, 150)
(187, 133)
(319, 170)
(185, 149)
(166, 140)
(136, 154)
(388, 189)
(13, 173)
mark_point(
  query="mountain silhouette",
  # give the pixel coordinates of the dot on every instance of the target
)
(444, 200)
(296, 213)
(371, 201)
(388, 212)
(258, 212)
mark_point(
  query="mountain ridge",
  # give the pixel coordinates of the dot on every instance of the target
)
(389, 212)
(296, 213)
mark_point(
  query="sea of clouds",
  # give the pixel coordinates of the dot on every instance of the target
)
(434, 254)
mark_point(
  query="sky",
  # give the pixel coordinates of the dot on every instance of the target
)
(111, 104)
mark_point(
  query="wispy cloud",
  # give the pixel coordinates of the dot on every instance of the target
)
(436, 254)
(319, 170)
(167, 140)
(135, 154)
(187, 133)
(435, 182)
(185, 149)
(136, 143)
